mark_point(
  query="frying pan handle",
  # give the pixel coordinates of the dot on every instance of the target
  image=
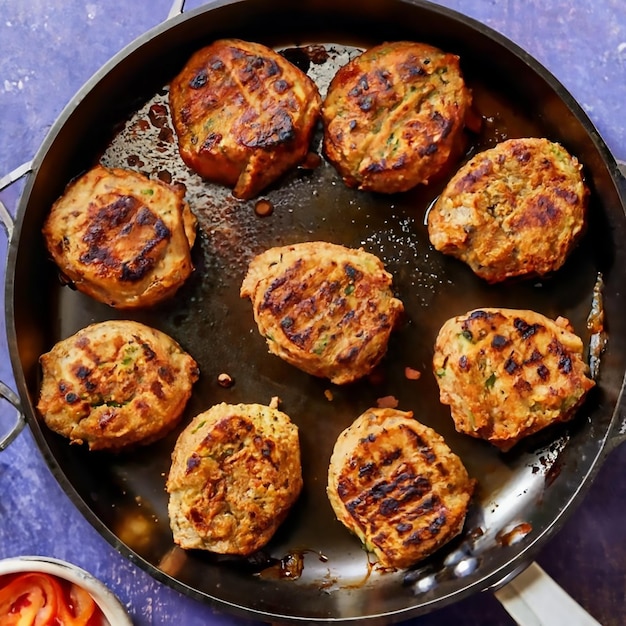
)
(20, 422)
(176, 8)
(533, 598)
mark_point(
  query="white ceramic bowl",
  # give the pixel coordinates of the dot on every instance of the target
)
(114, 613)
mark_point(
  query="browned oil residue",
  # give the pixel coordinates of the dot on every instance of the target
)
(595, 324)
(514, 535)
(290, 567)
(263, 208)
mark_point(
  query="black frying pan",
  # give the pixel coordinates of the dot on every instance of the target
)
(524, 495)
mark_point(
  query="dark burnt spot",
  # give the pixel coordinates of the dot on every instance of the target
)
(378, 166)
(566, 194)
(82, 372)
(212, 140)
(428, 150)
(479, 315)
(437, 524)
(192, 462)
(389, 506)
(217, 65)
(565, 364)
(281, 86)
(403, 528)
(278, 131)
(352, 124)
(367, 470)
(300, 339)
(166, 374)
(525, 329)
(344, 488)
(391, 456)
(464, 363)
(148, 352)
(351, 272)
(347, 318)
(474, 176)
(511, 365)
(199, 80)
(90, 385)
(365, 103)
(543, 372)
(522, 386)
(499, 342)
(384, 77)
(521, 153)
(286, 323)
(71, 398)
(62, 386)
(271, 67)
(157, 389)
(411, 69)
(535, 356)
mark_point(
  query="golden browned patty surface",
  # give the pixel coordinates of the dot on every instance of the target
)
(243, 114)
(235, 474)
(121, 237)
(508, 373)
(324, 308)
(397, 486)
(115, 384)
(394, 116)
(516, 209)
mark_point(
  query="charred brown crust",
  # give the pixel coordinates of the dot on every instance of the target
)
(121, 237)
(235, 474)
(394, 116)
(243, 114)
(326, 309)
(508, 373)
(115, 384)
(514, 210)
(397, 486)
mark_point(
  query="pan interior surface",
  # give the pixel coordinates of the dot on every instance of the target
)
(522, 494)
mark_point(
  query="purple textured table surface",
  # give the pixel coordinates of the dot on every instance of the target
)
(48, 50)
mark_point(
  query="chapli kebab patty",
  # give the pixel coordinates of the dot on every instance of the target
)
(397, 486)
(121, 237)
(115, 384)
(516, 209)
(235, 474)
(394, 116)
(509, 373)
(327, 309)
(243, 114)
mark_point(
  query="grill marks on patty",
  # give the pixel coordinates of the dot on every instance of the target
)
(509, 373)
(324, 308)
(396, 484)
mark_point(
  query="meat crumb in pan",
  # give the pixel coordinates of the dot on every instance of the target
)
(122, 238)
(509, 373)
(517, 209)
(397, 486)
(243, 115)
(234, 476)
(324, 308)
(394, 116)
(115, 384)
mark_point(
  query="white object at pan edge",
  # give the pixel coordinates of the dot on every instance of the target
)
(114, 613)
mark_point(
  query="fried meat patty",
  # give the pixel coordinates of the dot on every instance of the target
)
(235, 474)
(516, 209)
(327, 309)
(243, 114)
(397, 486)
(121, 237)
(509, 373)
(114, 384)
(394, 116)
